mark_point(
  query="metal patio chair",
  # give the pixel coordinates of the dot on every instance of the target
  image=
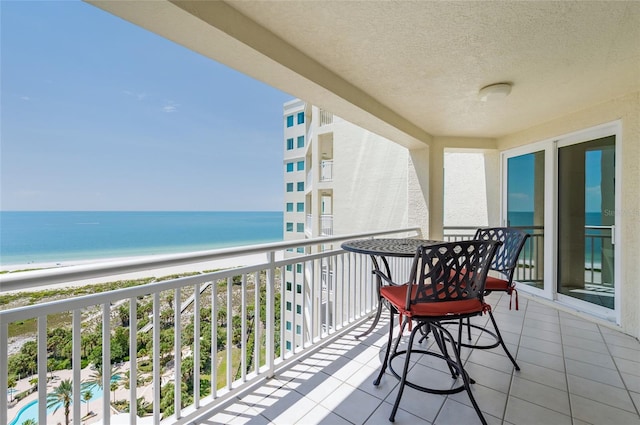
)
(447, 282)
(503, 265)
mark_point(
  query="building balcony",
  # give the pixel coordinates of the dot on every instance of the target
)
(326, 170)
(574, 369)
(326, 225)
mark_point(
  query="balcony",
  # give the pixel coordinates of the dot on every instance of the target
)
(326, 118)
(326, 224)
(573, 369)
(326, 170)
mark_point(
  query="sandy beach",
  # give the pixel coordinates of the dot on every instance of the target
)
(224, 263)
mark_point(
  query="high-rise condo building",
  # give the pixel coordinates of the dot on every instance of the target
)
(339, 179)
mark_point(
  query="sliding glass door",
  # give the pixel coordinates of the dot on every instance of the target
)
(586, 221)
(563, 192)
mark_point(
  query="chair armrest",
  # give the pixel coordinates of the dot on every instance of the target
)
(386, 278)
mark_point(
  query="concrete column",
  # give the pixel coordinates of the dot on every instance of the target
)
(426, 190)
(418, 190)
(315, 174)
(436, 191)
(493, 189)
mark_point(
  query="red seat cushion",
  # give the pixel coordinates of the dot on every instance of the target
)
(397, 295)
(495, 284)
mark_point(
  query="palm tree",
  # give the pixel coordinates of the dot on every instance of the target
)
(86, 396)
(11, 384)
(96, 377)
(114, 387)
(62, 395)
(127, 378)
(30, 422)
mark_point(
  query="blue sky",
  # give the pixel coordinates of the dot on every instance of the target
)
(98, 114)
(521, 183)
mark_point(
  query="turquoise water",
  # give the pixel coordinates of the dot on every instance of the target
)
(55, 236)
(525, 218)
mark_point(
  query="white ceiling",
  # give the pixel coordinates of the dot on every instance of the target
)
(417, 66)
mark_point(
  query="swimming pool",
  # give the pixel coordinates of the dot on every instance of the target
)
(30, 410)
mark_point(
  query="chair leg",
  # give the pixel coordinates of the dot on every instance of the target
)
(439, 338)
(468, 328)
(403, 379)
(465, 377)
(504, 347)
(383, 368)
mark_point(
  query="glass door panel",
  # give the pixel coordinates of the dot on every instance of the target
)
(586, 221)
(525, 210)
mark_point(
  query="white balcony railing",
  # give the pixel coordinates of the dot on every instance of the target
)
(596, 240)
(240, 309)
(326, 170)
(326, 224)
(326, 118)
(308, 227)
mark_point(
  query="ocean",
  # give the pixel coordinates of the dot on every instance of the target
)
(56, 236)
(594, 238)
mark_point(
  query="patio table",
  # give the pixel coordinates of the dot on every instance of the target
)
(381, 249)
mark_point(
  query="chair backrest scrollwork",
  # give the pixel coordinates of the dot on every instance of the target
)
(506, 258)
(452, 271)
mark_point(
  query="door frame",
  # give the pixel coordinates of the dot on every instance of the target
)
(604, 130)
(550, 147)
(549, 257)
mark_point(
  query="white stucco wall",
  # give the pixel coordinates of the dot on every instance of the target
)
(370, 181)
(465, 196)
(627, 110)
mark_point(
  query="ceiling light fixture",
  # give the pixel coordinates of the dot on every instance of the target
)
(494, 92)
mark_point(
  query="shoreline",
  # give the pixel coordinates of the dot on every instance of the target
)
(225, 263)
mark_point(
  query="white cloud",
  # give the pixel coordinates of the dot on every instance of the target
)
(170, 106)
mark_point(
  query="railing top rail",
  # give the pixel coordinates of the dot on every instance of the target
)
(21, 280)
(84, 301)
(591, 227)
(476, 227)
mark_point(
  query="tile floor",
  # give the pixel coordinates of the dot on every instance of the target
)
(572, 372)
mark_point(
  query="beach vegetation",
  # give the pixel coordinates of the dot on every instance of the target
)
(143, 407)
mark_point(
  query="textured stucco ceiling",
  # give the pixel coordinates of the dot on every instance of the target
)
(417, 66)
